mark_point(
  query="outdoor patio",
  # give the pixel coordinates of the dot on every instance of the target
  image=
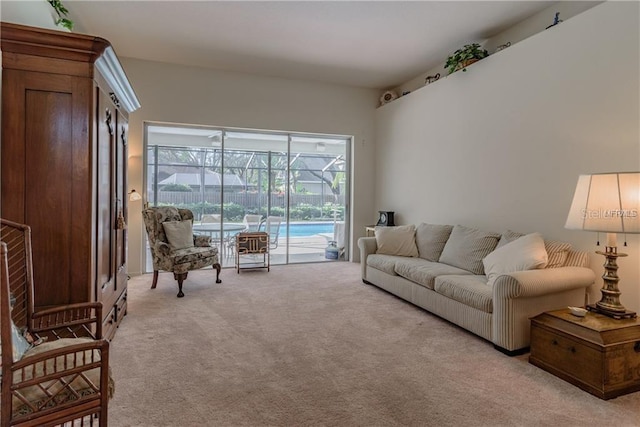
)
(301, 250)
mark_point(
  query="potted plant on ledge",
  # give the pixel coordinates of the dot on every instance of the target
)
(464, 57)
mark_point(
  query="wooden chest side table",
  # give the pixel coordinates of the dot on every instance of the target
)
(599, 354)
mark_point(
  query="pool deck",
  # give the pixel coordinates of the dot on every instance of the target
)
(301, 250)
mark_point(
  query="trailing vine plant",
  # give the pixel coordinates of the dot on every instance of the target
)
(62, 12)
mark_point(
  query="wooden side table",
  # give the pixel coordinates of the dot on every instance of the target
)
(254, 243)
(370, 230)
(599, 354)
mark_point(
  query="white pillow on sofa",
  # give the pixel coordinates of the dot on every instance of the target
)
(525, 253)
(399, 240)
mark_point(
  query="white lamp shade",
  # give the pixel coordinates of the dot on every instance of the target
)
(608, 202)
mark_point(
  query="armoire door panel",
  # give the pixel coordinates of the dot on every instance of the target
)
(105, 195)
(39, 151)
(14, 86)
(48, 199)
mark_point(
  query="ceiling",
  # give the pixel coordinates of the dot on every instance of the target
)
(373, 44)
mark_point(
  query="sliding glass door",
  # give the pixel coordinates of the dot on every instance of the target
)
(260, 161)
(292, 186)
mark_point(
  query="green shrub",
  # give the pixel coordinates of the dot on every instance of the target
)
(305, 212)
(328, 211)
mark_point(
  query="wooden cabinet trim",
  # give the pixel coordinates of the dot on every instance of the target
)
(50, 43)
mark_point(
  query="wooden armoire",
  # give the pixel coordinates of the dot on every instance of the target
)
(63, 159)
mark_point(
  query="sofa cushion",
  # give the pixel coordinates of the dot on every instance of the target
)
(430, 240)
(525, 253)
(471, 290)
(386, 263)
(400, 240)
(557, 252)
(467, 247)
(424, 272)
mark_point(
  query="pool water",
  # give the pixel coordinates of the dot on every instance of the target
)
(310, 229)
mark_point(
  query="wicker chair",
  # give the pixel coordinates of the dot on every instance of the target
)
(63, 377)
(180, 261)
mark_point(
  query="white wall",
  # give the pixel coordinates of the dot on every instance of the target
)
(501, 146)
(178, 94)
(522, 30)
(34, 13)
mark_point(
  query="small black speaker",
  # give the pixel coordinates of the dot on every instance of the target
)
(386, 219)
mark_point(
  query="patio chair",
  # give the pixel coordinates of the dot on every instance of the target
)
(252, 222)
(54, 365)
(173, 245)
(213, 219)
(210, 218)
(272, 227)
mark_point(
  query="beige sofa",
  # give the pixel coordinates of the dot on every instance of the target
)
(441, 268)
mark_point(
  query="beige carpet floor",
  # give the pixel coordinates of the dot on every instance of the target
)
(311, 345)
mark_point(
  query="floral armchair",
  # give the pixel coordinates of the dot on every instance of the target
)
(173, 246)
(54, 366)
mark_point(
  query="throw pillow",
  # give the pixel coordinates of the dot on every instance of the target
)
(507, 237)
(558, 253)
(524, 253)
(430, 240)
(400, 240)
(20, 343)
(179, 234)
(467, 247)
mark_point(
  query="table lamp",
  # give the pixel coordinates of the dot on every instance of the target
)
(608, 203)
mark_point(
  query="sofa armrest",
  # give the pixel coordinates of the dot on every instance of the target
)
(533, 283)
(367, 247)
(521, 295)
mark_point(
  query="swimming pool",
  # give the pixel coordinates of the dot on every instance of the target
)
(302, 229)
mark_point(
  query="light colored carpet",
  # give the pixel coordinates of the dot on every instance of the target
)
(311, 345)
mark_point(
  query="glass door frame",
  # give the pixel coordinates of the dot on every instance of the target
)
(348, 145)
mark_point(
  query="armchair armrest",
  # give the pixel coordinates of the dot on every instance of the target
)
(533, 283)
(162, 248)
(201, 241)
(71, 375)
(69, 321)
